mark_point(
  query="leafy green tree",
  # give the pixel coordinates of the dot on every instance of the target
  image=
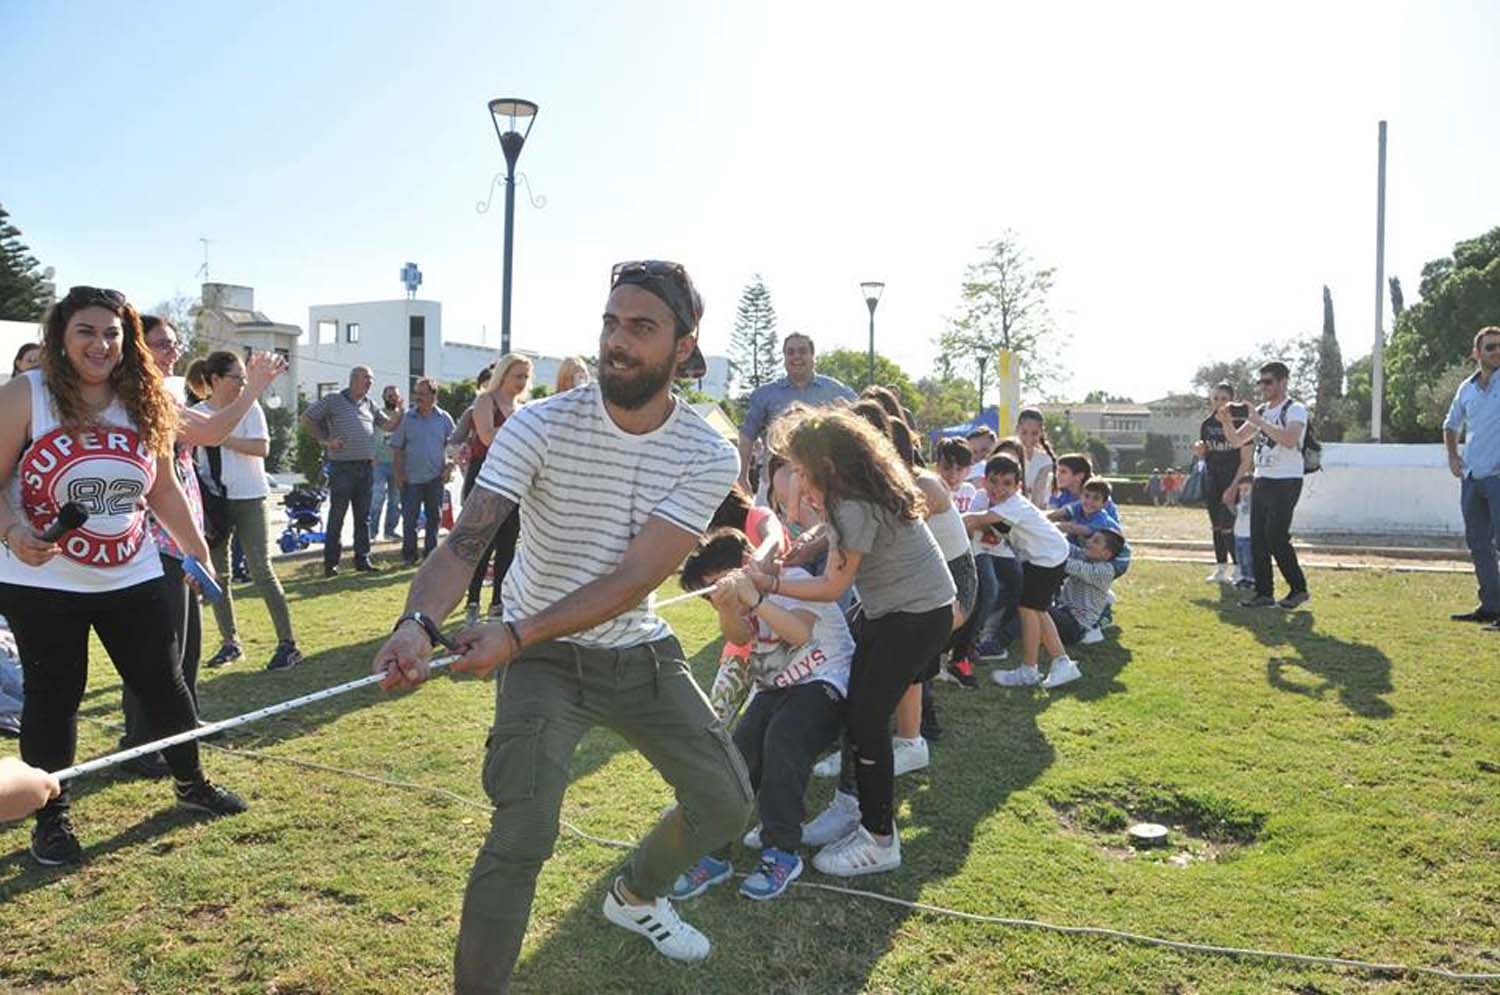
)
(852, 366)
(1300, 355)
(23, 291)
(1327, 411)
(1099, 454)
(753, 355)
(281, 424)
(941, 402)
(307, 455)
(1005, 303)
(1103, 397)
(1459, 295)
(455, 398)
(1158, 451)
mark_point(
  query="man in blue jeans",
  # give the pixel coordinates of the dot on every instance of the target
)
(1476, 412)
(386, 496)
(344, 422)
(418, 462)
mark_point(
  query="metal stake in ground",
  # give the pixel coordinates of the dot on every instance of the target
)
(89, 767)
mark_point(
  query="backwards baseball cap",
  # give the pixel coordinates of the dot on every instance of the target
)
(670, 283)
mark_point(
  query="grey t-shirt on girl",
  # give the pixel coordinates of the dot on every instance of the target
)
(902, 569)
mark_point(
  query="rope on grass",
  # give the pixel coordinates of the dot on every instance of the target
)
(1182, 946)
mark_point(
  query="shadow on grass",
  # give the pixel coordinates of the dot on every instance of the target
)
(1357, 672)
(20, 874)
(808, 940)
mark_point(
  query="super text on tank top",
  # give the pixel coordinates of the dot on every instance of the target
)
(106, 470)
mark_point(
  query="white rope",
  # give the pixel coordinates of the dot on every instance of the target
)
(1183, 946)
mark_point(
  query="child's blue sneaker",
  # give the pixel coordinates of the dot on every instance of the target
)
(777, 870)
(700, 877)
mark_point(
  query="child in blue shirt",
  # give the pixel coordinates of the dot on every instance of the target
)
(1092, 512)
(1073, 470)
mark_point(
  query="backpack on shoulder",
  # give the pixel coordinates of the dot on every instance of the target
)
(1312, 449)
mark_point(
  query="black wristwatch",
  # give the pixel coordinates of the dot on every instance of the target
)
(434, 632)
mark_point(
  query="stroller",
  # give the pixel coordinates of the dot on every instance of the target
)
(304, 522)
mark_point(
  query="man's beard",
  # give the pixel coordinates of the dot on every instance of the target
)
(633, 388)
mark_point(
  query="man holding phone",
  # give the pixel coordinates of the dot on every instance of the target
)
(1277, 427)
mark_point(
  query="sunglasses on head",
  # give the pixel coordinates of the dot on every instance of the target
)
(84, 296)
(668, 280)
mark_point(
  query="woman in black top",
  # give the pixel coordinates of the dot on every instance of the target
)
(1225, 463)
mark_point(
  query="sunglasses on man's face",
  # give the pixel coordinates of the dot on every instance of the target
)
(1267, 381)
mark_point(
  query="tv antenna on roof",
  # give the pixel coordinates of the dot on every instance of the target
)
(203, 270)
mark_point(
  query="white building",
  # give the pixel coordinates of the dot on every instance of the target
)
(401, 340)
(398, 340)
(229, 320)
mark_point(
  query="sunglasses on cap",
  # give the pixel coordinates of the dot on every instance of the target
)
(668, 281)
(671, 284)
(84, 296)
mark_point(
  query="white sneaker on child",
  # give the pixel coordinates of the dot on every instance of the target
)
(658, 922)
(834, 823)
(829, 765)
(1091, 635)
(1017, 677)
(909, 755)
(859, 853)
(1063, 671)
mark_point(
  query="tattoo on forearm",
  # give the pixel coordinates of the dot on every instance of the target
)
(483, 514)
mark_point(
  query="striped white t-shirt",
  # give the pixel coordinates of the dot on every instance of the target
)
(586, 487)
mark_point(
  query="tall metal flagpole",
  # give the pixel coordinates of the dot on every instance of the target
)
(1377, 357)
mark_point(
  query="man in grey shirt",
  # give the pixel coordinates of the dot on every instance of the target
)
(344, 422)
(801, 383)
(419, 459)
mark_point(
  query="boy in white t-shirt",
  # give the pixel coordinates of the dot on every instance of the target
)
(800, 653)
(1043, 552)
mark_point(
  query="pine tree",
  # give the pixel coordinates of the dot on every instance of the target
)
(752, 344)
(23, 292)
(1326, 421)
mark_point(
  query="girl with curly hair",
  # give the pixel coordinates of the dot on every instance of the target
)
(879, 539)
(94, 426)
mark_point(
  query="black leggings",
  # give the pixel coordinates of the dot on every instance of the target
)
(503, 548)
(1220, 515)
(187, 625)
(890, 652)
(52, 636)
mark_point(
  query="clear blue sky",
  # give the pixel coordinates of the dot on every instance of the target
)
(1195, 173)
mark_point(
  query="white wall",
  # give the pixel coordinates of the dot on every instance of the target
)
(1391, 489)
(383, 345)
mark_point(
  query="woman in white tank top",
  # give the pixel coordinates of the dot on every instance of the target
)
(94, 427)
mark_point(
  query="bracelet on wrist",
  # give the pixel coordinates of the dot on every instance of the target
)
(515, 634)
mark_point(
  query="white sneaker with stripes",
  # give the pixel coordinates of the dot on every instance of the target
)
(859, 853)
(659, 923)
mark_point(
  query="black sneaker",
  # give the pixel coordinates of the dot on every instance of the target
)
(228, 653)
(962, 672)
(286, 657)
(366, 567)
(1477, 615)
(330, 570)
(1259, 601)
(151, 766)
(205, 796)
(1294, 599)
(53, 842)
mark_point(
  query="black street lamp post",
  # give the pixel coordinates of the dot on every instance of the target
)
(872, 290)
(511, 140)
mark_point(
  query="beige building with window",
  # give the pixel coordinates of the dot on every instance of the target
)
(229, 320)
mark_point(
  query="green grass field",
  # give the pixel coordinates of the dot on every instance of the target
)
(1329, 775)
